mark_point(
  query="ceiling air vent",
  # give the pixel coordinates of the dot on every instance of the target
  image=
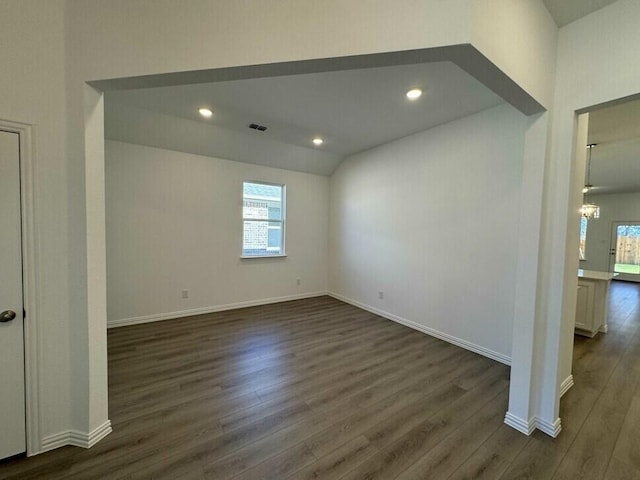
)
(260, 128)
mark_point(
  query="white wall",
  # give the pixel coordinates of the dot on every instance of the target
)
(597, 63)
(223, 33)
(613, 208)
(432, 221)
(32, 86)
(174, 223)
(504, 29)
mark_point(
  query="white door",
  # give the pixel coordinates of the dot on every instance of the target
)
(12, 400)
(625, 251)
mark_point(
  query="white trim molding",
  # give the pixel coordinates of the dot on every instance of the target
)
(566, 385)
(33, 362)
(427, 330)
(54, 441)
(157, 317)
(76, 438)
(551, 429)
(524, 426)
(528, 426)
(98, 434)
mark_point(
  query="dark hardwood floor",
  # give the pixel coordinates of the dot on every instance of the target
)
(317, 389)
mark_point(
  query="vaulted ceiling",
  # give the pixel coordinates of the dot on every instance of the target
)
(351, 110)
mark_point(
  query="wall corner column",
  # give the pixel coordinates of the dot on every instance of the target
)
(528, 361)
(98, 423)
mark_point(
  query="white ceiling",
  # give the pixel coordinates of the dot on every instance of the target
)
(353, 110)
(567, 11)
(615, 163)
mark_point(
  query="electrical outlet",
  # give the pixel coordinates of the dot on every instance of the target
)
(381, 295)
(298, 282)
(185, 293)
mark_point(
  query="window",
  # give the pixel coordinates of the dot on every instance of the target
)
(263, 215)
(583, 236)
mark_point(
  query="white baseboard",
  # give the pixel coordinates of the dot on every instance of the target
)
(566, 385)
(429, 331)
(99, 433)
(76, 438)
(528, 426)
(551, 429)
(217, 308)
(56, 440)
(524, 426)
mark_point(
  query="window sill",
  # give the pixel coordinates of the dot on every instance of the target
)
(245, 257)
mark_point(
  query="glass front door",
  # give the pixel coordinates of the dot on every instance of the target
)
(625, 250)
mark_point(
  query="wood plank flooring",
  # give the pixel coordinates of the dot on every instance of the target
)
(318, 389)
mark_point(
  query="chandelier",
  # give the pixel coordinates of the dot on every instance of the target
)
(589, 210)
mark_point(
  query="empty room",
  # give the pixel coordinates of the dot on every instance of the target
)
(313, 240)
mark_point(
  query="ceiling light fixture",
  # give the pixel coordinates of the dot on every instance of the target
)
(589, 210)
(414, 94)
(205, 112)
(317, 141)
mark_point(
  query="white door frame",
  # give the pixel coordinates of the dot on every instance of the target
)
(32, 360)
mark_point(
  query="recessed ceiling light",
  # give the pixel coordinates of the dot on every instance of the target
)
(205, 112)
(414, 94)
(317, 141)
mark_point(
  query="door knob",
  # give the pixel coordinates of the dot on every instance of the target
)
(7, 316)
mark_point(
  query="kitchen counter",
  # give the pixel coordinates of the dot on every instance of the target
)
(593, 275)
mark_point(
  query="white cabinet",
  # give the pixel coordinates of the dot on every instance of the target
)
(591, 306)
(585, 321)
